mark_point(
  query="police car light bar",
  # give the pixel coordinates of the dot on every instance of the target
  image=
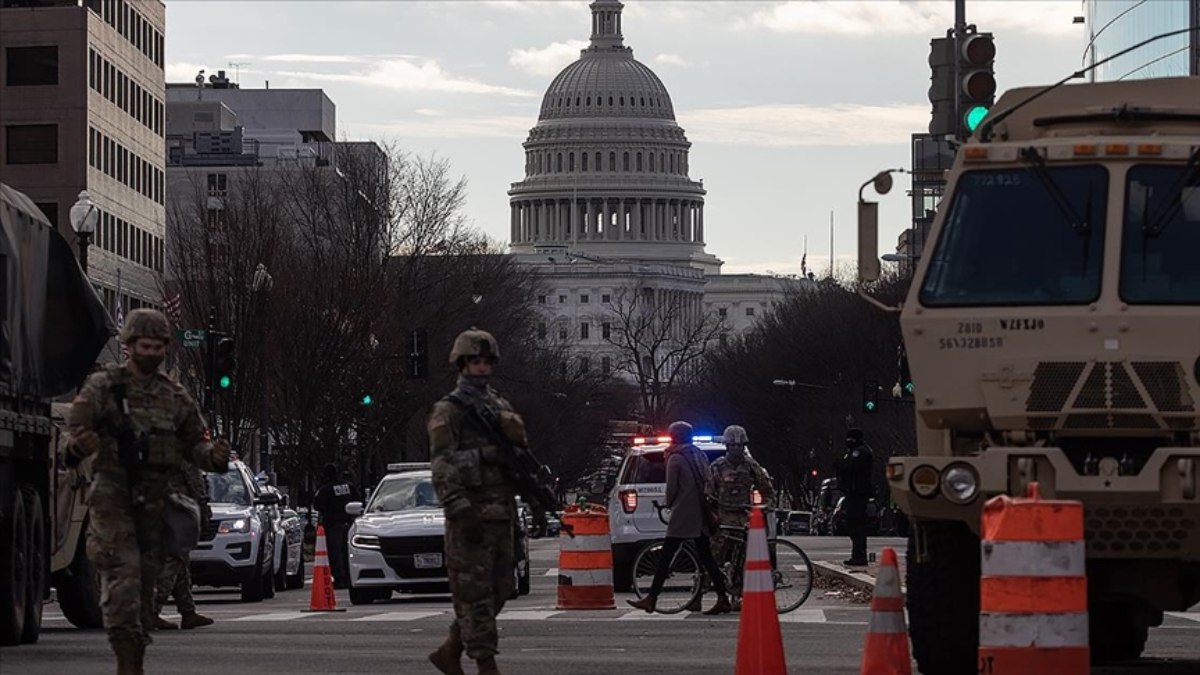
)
(642, 440)
(703, 439)
(399, 467)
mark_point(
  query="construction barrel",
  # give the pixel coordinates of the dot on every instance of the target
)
(1033, 588)
(585, 560)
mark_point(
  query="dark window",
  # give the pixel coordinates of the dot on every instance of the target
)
(606, 298)
(605, 364)
(571, 162)
(606, 330)
(722, 312)
(749, 311)
(541, 299)
(639, 161)
(585, 331)
(625, 162)
(50, 209)
(31, 143)
(585, 364)
(583, 299)
(562, 299)
(31, 66)
(583, 161)
(541, 331)
(1021, 236)
(562, 333)
(1161, 236)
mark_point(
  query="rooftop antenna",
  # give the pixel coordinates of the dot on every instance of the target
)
(237, 71)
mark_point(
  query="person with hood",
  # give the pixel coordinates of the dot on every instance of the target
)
(687, 495)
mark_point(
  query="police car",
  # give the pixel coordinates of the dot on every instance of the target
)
(397, 543)
(632, 519)
(239, 546)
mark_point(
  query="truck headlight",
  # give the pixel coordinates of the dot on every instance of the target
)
(239, 526)
(924, 481)
(365, 541)
(960, 483)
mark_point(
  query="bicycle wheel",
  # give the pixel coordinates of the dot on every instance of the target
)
(793, 575)
(683, 577)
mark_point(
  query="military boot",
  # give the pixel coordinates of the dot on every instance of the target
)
(162, 624)
(193, 620)
(448, 657)
(487, 666)
(130, 652)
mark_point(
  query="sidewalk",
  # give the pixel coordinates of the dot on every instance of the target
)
(857, 578)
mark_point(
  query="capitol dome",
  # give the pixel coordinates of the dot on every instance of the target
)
(606, 165)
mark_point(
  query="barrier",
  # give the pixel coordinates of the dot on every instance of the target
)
(760, 641)
(323, 598)
(585, 561)
(886, 651)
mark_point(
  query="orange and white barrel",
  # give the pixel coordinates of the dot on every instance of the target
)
(585, 560)
(1033, 589)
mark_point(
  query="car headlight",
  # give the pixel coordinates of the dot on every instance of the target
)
(924, 481)
(234, 526)
(365, 541)
(960, 483)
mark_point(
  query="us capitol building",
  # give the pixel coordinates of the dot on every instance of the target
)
(607, 208)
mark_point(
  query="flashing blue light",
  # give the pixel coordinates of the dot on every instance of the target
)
(703, 439)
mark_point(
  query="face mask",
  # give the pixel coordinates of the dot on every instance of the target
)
(476, 381)
(147, 363)
(735, 455)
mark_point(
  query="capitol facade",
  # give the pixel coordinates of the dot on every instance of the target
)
(608, 212)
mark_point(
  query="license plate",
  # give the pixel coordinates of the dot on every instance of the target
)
(425, 561)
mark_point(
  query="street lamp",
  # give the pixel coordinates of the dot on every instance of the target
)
(261, 285)
(868, 225)
(84, 215)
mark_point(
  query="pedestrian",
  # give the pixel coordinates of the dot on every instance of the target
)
(141, 426)
(734, 478)
(686, 496)
(176, 579)
(330, 502)
(854, 479)
(479, 499)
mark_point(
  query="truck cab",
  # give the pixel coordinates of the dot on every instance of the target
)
(1052, 329)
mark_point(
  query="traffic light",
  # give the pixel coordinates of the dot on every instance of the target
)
(941, 89)
(224, 363)
(977, 83)
(367, 399)
(870, 396)
(417, 348)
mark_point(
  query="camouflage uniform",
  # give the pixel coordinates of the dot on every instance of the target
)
(733, 482)
(480, 506)
(125, 539)
(175, 578)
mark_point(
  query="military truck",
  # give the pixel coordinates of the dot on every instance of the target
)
(1053, 334)
(52, 328)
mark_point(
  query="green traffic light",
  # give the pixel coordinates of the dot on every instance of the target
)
(367, 400)
(974, 116)
(225, 382)
(870, 405)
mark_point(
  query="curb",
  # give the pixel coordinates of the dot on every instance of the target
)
(857, 580)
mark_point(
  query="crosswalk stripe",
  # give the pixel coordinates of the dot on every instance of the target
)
(552, 572)
(414, 615)
(804, 616)
(274, 616)
(528, 615)
(1189, 616)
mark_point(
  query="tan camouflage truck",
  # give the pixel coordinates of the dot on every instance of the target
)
(1053, 333)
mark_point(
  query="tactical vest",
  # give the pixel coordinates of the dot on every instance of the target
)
(154, 408)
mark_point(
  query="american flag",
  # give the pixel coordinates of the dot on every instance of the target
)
(804, 264)
(120, 315)
(173, 307)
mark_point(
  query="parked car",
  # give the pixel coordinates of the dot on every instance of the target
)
(240, 545)
(293, 528)
(797, 523)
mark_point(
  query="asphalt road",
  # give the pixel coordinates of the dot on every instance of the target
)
(823, 636)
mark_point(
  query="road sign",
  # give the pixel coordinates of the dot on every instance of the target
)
(191, 338)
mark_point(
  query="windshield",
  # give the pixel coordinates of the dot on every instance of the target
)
(228, 488)
(648, 467)
(1021, 236)
(403, 493)
(1161, 238)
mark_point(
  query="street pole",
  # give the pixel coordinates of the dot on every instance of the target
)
(264, 418)
(960, 27)
(209, 361)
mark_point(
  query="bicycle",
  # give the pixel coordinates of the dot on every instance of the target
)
(685, 583)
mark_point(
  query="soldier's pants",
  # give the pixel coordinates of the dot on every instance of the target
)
(479, 555)
(125, 546)
(737, 519)
(175, 580)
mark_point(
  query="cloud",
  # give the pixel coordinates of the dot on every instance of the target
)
(183, 71)
(672, 60)
(410, 74)
(428, 126)
(932, 17)
(816, 263)
(788, 125)
(546, 61)
(312, 58)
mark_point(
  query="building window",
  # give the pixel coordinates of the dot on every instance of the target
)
(218, 184)
(31, 144)
(639, 161)
(50, 210)
(598, 166)
(562, 333)
(749, 311)
(625, 163)
(612, 161)
(541, 331)
(605, 364)
(585, 331)
(606, 330)
(585, 364)
(583, 299)
(541, 299)
(722, 312)
(571, 162)
(562, 299)
(606, 298)
(558, 164)
(583, 162)
(31, 66)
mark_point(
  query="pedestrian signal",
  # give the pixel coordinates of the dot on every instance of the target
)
(870, 396)
(367, 400)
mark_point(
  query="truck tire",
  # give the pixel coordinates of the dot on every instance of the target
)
(79, 588)
(14, 577)
(1116, 632)
(943, 599)
(35, 565)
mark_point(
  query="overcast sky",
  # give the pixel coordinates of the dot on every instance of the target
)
(789, 106)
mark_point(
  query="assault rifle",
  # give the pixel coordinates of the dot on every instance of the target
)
(131, 448)
(532, 478)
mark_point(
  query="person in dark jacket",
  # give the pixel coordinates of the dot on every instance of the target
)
(687, 491)
(330, 501)
(854, 478)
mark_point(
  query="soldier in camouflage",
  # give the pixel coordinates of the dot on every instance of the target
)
(136, 401)
(479, 500)
(734, 477)
(175, 579)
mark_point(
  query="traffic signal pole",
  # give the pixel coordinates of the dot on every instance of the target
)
(960, 27)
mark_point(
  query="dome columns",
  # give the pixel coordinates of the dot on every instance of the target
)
(595, 219)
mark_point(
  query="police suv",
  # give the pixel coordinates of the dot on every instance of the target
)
(397, 542)
(642, 480)
(239, 546)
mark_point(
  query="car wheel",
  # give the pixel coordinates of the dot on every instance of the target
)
(14, 578)
(35, 566)
(253, 588)
(281, 576)
(296, 580)
(367, 596)
(523, 580)
(78, 588)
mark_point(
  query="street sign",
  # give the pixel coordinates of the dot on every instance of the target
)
(191, 338)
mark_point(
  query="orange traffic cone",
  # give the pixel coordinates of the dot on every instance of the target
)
(760, 642)
(886, 652)
(323, 597)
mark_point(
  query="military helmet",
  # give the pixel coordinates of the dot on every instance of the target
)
(145, 323)
(680, 432)
(735, 435)
(854, 434)
(474, 342)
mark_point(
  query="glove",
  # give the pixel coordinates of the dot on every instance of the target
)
(220, 452)
(83, 444)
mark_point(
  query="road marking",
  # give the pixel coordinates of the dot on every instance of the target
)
(639, 615)
(552, 572)
(803, 616)
(1189, 616)
(274, 616)
(414, 615)
(528, 615)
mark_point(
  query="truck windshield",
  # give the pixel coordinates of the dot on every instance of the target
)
(1161, 239)
(1021, 236)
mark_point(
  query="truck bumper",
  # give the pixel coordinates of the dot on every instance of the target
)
(1152, 513)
